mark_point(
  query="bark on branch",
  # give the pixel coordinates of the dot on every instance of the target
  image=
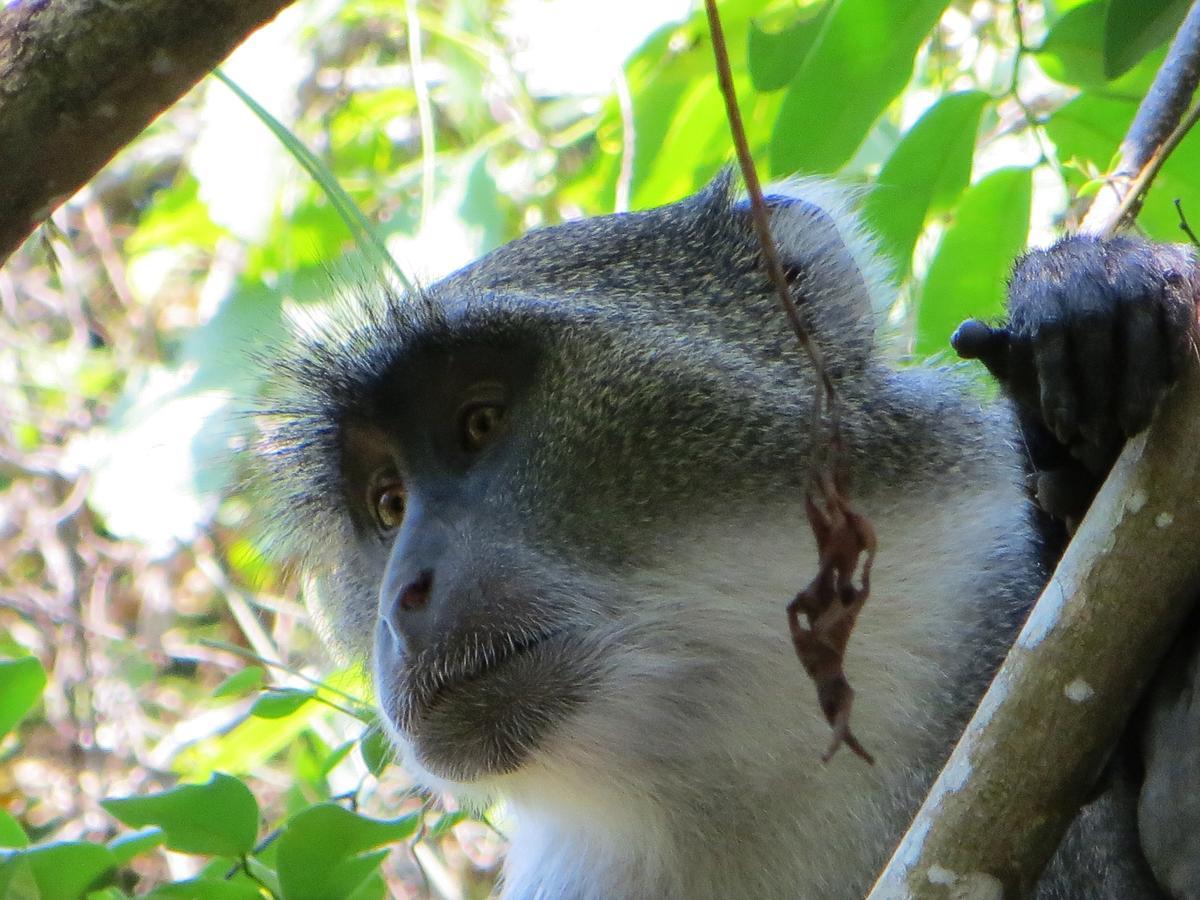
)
(80, 79)
(1129, 578)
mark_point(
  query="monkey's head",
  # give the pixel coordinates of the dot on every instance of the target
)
(527, 494)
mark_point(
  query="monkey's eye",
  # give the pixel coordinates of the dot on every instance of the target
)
(388, 505)
(478, 424)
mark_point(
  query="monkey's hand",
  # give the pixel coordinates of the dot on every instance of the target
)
(1097, 330)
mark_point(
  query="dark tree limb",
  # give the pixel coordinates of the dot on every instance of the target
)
(80, 79)
(1128, 580)
(1160, 112)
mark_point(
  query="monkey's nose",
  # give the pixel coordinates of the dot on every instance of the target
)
(415, 594)
(398, 609)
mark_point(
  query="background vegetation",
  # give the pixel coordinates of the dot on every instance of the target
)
(133, 595)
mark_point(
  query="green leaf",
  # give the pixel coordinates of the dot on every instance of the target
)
(681, 135)
(336, 755)
(219, 817)
(126, 846)
(968, 274)
(444, 823)
(1072, 51)
(276, 703)
(248, 679)
(255, 740)
(1132, 28)
(11, 832)
(870, 45)
(925, 174)
(207, 889)
(373, 888)
(774, 57)
(376, 750)
(65, 870)
(21, 684)
(176, 218)
(318, 852)
(264, 874)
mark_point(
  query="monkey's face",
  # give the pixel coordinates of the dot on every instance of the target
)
(501, 483)
(478, 647)
(500, 521)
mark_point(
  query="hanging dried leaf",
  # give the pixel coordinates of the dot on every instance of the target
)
(831, 603)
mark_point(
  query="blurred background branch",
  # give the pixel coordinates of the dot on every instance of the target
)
(80, 79)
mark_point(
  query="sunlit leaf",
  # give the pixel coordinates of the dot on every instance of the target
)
(1132, 28)
(1071, 52)
(336, 755)
(12, 835)
(126, 846)
(21, 684)
(376, 750)
(870, 45)
(219, 817)
(176, 218)
(774, 57)
(360, 227)
(64, 870)
(256, 740)
(967, 277)
(926, 173)
(319, 851)
(373, 888)
(275, 703)
(206, 889)
(263, 873)
(248, 679)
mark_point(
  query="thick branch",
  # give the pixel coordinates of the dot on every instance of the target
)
(79, 79)
(1042, 732)
(1129, 578)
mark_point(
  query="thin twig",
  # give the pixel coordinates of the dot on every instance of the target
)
(845, 539)
(758, 212)
(1183, 223)
(1128, 208)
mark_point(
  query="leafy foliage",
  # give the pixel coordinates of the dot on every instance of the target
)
(219, 818)
(130, 570)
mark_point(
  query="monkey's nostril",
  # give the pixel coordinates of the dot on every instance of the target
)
(416, 593)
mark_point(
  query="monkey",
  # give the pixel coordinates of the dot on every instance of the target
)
(554, 504)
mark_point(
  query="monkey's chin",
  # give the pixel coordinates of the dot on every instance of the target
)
(490, 723)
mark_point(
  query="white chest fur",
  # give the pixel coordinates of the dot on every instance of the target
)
(696, 772)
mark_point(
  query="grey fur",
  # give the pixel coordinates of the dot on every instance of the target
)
(652, 509)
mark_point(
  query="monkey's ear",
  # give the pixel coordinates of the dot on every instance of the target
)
(830, 261)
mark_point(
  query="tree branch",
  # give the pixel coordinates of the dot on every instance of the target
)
(79, 79)
(1042, 732)
(1158, 115)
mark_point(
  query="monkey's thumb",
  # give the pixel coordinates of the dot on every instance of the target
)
(974, 339)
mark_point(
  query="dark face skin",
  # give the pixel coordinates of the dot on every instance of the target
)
(470, 659)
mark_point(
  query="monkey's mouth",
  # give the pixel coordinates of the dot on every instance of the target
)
(483, 704)
(471, 663)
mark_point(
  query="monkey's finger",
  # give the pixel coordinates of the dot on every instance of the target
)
(1092, 342)
(974, 339)
(1057, 391)
(1180, 325)
(1065, 492)
(1148, 364)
